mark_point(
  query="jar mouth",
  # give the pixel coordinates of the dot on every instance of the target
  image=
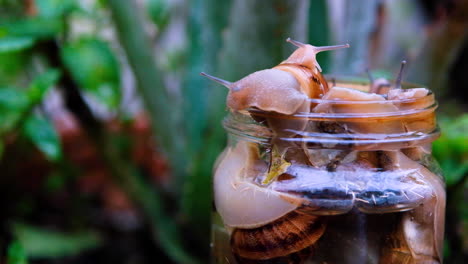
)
(237, 125)
(383, 123)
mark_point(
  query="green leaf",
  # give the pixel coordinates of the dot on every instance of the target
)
(42, 133)
(12, 99)
(159, 11)
(10, 44)
(16, 254)
(55, 8)
(12, 65)
(13, 104)
(451, 149)
(42, 243)
(35, 27)
(42, 84)
(94, 66)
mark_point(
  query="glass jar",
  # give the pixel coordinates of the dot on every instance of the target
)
(351, 182)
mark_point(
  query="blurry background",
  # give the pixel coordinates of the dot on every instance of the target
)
(108, 134)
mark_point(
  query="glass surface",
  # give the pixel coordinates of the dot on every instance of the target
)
(354, 185)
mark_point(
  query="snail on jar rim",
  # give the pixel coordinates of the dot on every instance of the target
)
(283, 89)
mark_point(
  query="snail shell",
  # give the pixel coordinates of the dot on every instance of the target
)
(419, 237)
(289, 239)
(396, 250)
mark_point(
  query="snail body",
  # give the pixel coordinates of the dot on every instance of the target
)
(241, 202)
(342, 100)
(270, 85)
(283, 89)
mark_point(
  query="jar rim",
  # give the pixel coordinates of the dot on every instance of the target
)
(415, 118)
(256, 132)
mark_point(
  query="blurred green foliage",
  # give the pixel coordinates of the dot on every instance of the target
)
(35, 28)
(11, 44)
(42, 243)
(451, 149)
(95, 68)
(159, 11)
(44, 136)
(16, 254)
(13, 104)
(16, 106)
(55, 8)
(97, 49)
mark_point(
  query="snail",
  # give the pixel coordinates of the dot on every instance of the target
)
(378, 101)
(240, 202)
(285, 88)
(348, 101)
(342, 100)
(396, 250)
(421, 230)
(382, 85)
(414, 99)
(264, 222)
(288, 240)
(376, 84)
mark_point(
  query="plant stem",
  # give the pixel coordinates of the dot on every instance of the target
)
(319, 31)
(203, 108)
(165, 113)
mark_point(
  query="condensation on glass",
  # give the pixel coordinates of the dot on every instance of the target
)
(354, 185)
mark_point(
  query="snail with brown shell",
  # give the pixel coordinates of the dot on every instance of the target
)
(285, 89)
(267, 226)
